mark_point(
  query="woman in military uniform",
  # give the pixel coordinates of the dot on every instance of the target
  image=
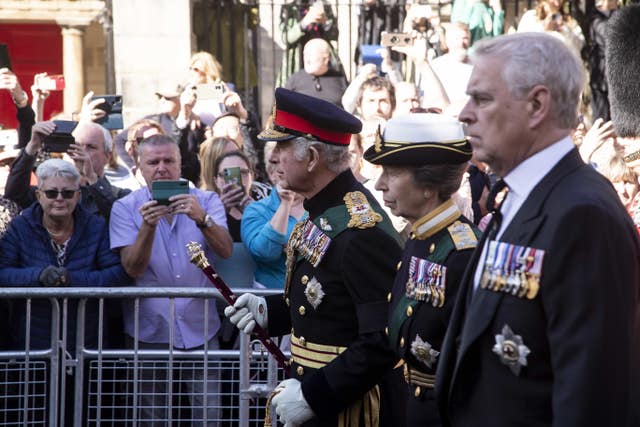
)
(424, 157)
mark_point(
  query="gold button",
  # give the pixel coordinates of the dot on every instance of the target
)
(432, 248)
(304, 279)
(302, 310)
(415, 393)
(409, 311)
(389, 297)
(303, 342)
(286, 301)
(401, 341)
(399, 265)
(386, 331)
(300, 370)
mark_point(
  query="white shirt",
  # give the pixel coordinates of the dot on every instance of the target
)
(521, 182)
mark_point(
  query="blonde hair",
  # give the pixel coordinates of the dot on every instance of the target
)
(211, 67)
(210, 151)
(619, 171)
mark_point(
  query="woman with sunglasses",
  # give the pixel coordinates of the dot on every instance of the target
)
(56, 242)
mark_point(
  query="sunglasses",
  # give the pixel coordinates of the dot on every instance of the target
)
(53, 194)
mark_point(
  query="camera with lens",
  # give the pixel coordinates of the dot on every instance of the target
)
(396, 39)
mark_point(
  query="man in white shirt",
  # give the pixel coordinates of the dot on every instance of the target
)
(544, 330)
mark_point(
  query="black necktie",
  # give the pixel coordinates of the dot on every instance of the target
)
(495, 210)
(490, 232)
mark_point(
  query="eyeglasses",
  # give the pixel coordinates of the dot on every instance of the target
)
(53, 194)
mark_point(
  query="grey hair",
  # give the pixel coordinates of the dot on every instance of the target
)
(444, 179)
(157, 140)
(108, 140)
(336, 157)
(57, 167)
(532, 59)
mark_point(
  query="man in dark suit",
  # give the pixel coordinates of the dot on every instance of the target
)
(545, 324)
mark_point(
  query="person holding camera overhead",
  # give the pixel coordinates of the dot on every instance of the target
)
(150, 231)
(90, 153)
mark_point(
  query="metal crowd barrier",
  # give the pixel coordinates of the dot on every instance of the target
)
(102, 386)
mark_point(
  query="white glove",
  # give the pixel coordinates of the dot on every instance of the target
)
(246, 311)
(291, 406)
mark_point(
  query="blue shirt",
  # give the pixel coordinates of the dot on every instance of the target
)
(169, 266)
(266, 245)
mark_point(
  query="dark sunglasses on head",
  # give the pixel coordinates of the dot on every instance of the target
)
(53, 194)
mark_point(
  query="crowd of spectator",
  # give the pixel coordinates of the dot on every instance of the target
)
(87, 217)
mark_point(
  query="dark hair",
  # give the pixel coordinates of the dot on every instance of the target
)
(444, 178)
(376, 83)
(623, 59)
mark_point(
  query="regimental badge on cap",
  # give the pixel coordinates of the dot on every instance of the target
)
(462, 235)
(314, 292)
(427, 281)
(511, 350)
(423, 352)
(512, 269)
(362, 214)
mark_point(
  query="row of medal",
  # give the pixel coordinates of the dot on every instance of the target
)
(426, 281)
(310, 241)
(512, 269)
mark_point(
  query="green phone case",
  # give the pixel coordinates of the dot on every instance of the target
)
(162, 190)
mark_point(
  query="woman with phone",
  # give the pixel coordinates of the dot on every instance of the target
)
(204, 92)
(266, 227)
(234, 183)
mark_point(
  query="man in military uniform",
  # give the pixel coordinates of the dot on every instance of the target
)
(340, 267)
(545, 323)
(423, 158)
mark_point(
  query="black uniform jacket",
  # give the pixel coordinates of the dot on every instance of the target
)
(581, 328)
(355, 275)
(417, 332)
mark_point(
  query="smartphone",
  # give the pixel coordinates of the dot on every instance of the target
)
(232, 176)
(162, 190)
(5, 60)
(213, 91)
(112, 105)
(59, 140)
(396, 39)
(54, 82)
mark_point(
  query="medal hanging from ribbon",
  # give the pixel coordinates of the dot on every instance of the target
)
(426, 281)
(512, 269)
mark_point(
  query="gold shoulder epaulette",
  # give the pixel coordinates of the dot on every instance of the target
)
(361, 212)
(462, 235)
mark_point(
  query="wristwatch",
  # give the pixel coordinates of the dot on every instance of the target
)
(206, 222)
